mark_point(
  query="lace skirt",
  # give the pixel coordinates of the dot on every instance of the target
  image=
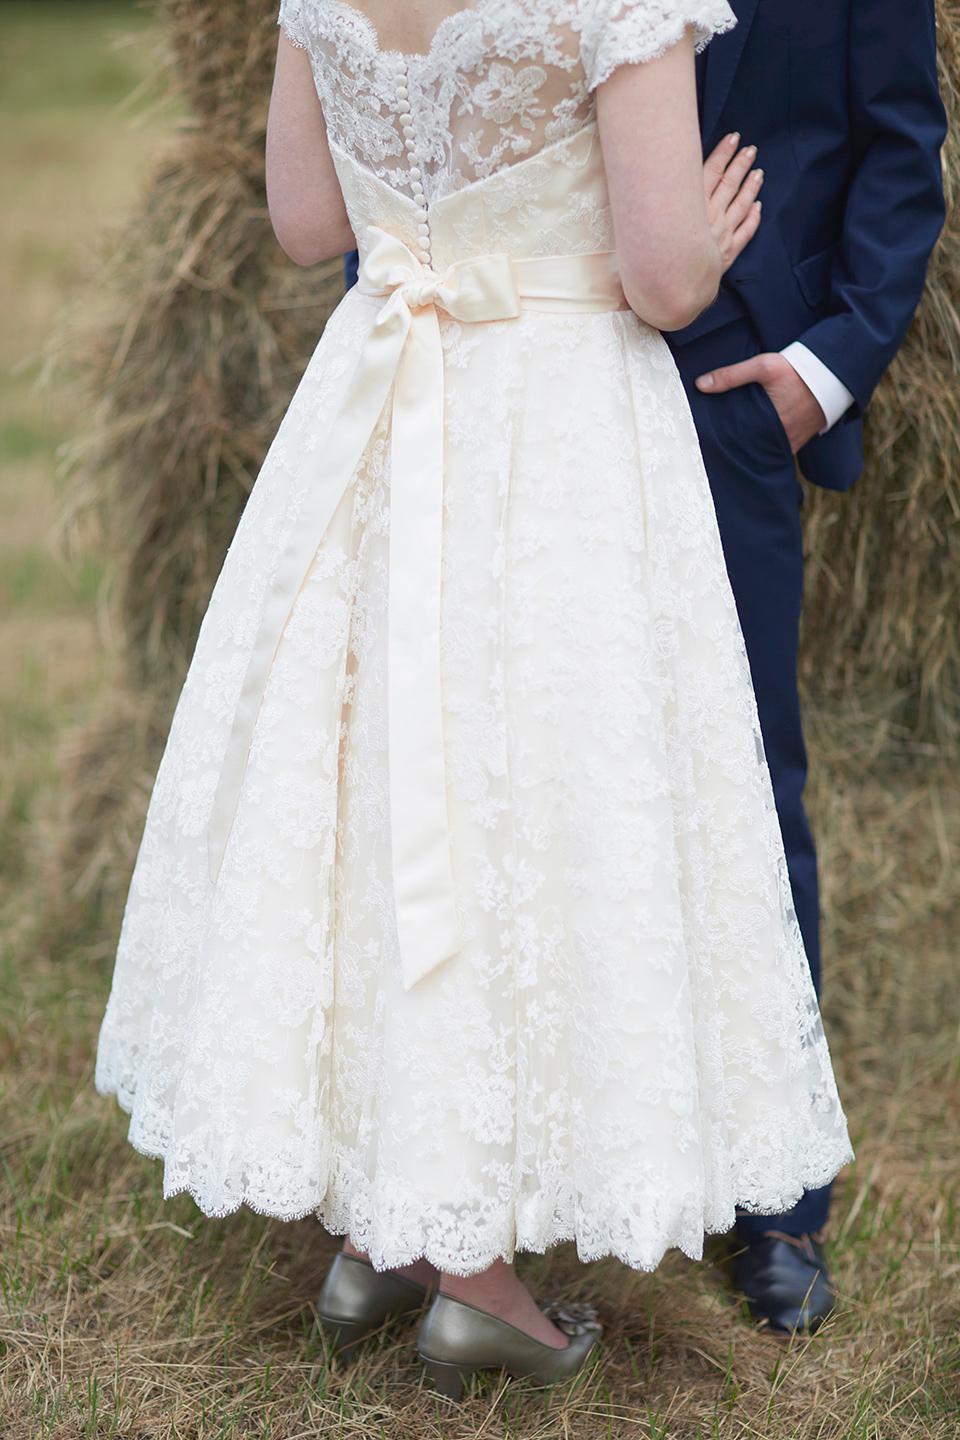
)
(627, 1046)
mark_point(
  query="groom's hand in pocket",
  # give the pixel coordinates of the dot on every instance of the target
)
(800, 414)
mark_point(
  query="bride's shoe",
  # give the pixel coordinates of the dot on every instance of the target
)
(457, 1339)
(356, 1300)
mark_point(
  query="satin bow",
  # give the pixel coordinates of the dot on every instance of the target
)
(403, 352)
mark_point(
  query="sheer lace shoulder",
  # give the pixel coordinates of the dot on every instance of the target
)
(500, 81)
(629, 32)
(292, 24)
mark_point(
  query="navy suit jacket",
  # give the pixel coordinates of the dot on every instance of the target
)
(841, 99)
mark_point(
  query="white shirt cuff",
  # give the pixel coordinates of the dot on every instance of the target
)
(831, 394)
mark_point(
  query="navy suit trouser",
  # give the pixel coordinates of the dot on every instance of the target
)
(757, 498)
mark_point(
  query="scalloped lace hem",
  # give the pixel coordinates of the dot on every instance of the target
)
(635, 1219)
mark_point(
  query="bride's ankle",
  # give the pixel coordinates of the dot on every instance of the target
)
(421, 1272)
(500, 1292)
(490, 1289)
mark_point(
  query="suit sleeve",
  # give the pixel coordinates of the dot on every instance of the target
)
(895, 209)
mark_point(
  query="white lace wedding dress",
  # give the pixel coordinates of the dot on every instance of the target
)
(461, 916)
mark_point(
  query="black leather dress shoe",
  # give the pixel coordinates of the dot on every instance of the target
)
(785, 1281)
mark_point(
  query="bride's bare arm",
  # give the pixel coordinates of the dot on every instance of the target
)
(306, 205)
(670, 263)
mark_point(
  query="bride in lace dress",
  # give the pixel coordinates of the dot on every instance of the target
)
(461, 917)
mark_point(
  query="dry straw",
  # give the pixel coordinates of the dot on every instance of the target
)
(883, 573)
(212, 327)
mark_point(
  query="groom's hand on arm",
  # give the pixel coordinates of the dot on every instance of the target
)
(795, 403)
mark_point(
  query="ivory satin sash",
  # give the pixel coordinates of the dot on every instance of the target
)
(403, 352)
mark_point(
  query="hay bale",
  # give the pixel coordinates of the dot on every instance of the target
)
(210, 329)
(883, 562)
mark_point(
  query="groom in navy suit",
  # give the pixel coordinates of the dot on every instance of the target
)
(840, 98)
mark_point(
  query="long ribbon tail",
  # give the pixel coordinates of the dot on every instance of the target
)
(427, 924)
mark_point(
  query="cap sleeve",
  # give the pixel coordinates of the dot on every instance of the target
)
(291, 21)
(628, 32)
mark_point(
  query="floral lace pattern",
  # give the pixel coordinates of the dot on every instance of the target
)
(628, 1044)
(501, 80)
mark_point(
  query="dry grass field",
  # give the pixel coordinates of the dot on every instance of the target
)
(124, 1315)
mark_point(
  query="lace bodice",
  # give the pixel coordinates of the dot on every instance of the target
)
(501, 80)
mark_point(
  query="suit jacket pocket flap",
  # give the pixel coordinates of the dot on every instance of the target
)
(814, 274)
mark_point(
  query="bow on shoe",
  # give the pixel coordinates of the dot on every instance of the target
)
(571, 1317)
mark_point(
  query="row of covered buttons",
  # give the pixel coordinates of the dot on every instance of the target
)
(416, 168)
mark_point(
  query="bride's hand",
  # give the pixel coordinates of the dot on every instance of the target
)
(731, 188)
